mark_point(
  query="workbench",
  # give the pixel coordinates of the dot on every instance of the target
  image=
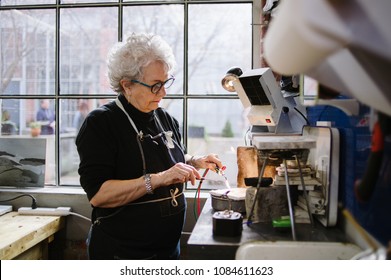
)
(27, 237)
(202, 244)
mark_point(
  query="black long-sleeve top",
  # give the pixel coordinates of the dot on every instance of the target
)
(108, 149)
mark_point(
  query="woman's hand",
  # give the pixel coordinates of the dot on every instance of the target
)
(210, 161)
(179, 173)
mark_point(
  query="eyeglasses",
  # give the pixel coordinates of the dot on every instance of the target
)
(155, 88)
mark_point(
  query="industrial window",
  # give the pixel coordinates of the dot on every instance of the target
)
(56, 50)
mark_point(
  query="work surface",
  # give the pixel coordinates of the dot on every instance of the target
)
(20, 233)
(202, 244)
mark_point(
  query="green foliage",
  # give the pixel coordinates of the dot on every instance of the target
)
(35, 125)
(227, 130)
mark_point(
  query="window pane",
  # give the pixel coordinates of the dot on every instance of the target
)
(19, 119)
(217, 126)
(25, 2)
(166, 21)
(152, 1)
(220, 36)
(24, 113)
(86, 1)
(27, 48)
(86, 36)
(73, 113)
(175, 108)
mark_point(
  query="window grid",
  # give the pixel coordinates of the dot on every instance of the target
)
(46, 90)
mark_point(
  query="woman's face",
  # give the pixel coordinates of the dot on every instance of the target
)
(141, 96)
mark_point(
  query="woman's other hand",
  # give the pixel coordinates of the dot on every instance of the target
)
(179, 173)
(210, 161)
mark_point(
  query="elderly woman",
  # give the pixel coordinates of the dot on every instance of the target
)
(132, 164)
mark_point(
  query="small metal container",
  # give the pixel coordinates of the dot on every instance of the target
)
(229, 199)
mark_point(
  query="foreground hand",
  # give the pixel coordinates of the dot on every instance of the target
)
(210, 161)
(179, 173)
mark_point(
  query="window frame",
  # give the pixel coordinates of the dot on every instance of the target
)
(186, 97)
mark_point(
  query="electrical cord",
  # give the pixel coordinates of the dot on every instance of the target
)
(304, 117)
(246, 136)
(33, 204)
(80, 216)
(197, 200)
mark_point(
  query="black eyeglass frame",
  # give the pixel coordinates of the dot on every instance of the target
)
(155, 88)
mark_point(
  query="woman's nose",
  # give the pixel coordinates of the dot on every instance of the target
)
(162, 91)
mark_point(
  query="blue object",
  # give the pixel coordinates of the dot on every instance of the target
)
(355, 141)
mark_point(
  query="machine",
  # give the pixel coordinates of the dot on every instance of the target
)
(269, 111)
(304, 158)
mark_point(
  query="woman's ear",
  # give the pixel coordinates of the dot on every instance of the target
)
(125, 84)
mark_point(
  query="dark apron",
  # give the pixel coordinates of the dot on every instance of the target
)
(150, 227)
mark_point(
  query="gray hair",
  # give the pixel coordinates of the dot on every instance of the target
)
(126, 60)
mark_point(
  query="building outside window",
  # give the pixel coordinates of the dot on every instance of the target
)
(56, 51)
